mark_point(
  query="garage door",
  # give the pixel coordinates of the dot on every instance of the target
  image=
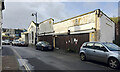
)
(46, 38)
(71, 42)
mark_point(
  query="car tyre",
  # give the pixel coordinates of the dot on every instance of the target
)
(82, 57)
(36, 48)
(113, 63)
(42, 49)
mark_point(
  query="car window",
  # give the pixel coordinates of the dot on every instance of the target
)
(84, 45)
(99, 46)
(89, 45)
(112, 47)
(39, 43)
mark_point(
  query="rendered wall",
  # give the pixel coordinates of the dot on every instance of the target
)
(46, 27)
(75, 24)
(32, 28)
(107, 29)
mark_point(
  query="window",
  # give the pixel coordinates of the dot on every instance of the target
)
(112, 47)
(89, 45)
(76, 22)
(99, 46)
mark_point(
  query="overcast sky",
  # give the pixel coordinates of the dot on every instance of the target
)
(18, 14)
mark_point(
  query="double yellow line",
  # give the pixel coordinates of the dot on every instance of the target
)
(26, 66)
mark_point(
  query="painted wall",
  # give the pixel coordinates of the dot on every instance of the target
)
(46, 26)
(22, 37)
(107, 29)
(79, 23)
(31, 30)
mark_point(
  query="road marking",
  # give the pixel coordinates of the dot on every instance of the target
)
(25, 65)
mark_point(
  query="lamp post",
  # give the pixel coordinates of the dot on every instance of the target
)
(35, 14)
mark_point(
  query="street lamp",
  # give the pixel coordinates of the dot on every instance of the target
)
(35, 14)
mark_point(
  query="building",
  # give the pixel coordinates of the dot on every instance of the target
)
(1, 8)
(24, 37)
(46, 31)
(8, 32)
(18, 33)
(32, 32)
(117, 41)
(11, 34)
(71, 33)
(44, 28)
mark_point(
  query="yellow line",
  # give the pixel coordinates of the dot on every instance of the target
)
(26, 67)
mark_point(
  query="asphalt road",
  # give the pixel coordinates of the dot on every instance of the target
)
(31, 59)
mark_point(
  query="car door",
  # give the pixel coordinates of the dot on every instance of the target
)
(88, 50)
(100, 52)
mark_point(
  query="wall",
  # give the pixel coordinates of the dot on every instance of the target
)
(107, 29)
(0, 24)
(32, 28)
(78, 23)
(22, 37)
(46, 26)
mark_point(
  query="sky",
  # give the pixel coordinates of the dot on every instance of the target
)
(19, 14)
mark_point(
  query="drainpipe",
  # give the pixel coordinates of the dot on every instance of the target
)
(97, 33)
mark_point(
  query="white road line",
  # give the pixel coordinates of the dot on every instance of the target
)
(25, 65)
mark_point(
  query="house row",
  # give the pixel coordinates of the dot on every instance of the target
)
(69, 34)
(11, 34)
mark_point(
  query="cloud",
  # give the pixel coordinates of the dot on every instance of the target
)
(62, 0)
(18, 14)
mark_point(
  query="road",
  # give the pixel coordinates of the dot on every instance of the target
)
(29, 58)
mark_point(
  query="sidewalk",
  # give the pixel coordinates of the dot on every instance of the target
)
(0, 60)
(9, 60)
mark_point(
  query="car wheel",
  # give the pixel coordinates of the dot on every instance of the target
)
(36, 48)
(113, 63)
(82, 57)
(42, 49)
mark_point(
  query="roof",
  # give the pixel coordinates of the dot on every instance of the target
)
(46, 20)
(43, 21)
(35, 23)
(75, 17)
(83, 15)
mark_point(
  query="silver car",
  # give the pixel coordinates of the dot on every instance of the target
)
(101, 51)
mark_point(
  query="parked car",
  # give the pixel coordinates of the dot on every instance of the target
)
(5, 42)
(15, 42)
(22, 43)
(43, 45)
(101, 51)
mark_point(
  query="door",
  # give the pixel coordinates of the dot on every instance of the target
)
(89, 50)
(100, 52)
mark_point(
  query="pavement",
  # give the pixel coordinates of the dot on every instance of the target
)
(28, 58)
(9, 61)
(0, 60)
